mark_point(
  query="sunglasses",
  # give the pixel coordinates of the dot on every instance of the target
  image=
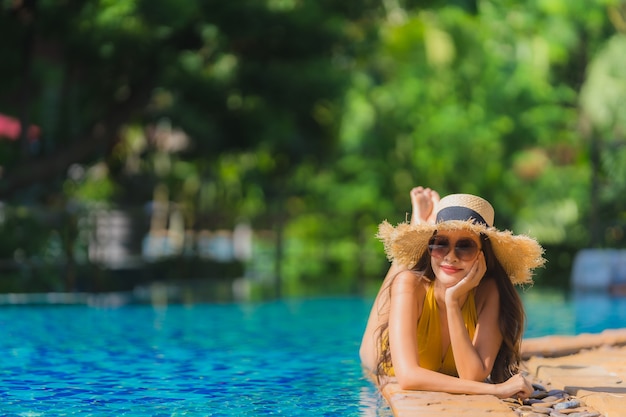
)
(465, 249)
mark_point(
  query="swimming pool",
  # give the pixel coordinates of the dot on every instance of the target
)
(292, 357)
(552, 312)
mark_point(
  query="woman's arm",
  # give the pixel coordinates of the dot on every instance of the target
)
(407, 293)
(426, 380)
(474, 359)
(379, 314)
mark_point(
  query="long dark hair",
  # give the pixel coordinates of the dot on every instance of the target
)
(511, 318)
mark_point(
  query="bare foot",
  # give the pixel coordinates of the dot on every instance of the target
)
(423, 202)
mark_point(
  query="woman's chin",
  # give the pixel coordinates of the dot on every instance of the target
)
(449, 280)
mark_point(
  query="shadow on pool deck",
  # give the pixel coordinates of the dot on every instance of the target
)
(591, 367)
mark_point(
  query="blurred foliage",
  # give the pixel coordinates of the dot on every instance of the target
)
(311, 121)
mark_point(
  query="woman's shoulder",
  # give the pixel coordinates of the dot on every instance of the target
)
(410, 280)
(411, 286)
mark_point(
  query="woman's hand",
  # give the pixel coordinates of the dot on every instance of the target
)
(516, 387)
(471, 280)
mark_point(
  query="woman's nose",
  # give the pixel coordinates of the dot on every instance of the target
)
(451, 256)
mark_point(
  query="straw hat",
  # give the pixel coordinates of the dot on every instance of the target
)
(518, 254)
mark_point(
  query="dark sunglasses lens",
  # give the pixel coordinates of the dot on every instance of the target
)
(438, 246)
(466, 249)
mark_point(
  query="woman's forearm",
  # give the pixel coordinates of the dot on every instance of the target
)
(426, 380)
(469, 364)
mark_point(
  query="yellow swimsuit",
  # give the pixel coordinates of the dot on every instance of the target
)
(429, 334)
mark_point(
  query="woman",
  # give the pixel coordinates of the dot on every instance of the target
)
(447, 317)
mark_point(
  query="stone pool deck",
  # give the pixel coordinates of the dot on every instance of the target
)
(589, 367)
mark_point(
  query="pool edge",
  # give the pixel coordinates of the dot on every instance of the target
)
(590, 366)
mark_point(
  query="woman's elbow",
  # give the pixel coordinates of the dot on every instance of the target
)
(368, 358)
(404, 383)
(407, 386)
(408, 380)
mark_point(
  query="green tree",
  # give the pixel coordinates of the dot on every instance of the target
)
(314, 119)
(483, 102)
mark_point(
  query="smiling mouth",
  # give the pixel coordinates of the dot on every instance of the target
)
(450, 269)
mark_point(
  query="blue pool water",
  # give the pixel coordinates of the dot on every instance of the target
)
(551, 313)
(293, 357)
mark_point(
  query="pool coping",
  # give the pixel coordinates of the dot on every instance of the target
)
(591, 367)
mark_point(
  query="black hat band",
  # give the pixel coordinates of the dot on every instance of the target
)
(460, 213)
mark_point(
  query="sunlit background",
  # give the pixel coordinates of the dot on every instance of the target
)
(190, 190)
(244, 150)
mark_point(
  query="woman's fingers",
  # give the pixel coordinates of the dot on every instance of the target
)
(477, 271)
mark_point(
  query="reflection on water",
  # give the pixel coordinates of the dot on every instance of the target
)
(372, 403)
(552, 312)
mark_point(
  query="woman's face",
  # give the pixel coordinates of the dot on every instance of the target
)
(452, 254)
